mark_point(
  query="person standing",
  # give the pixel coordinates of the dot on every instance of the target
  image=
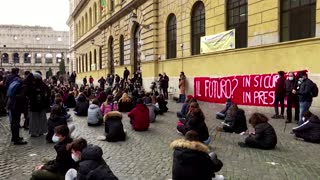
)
(160, 81)
(292, 99)
(126, 74)
(85, 81)
(279, 96)
(165, 85)
(91, 81)
(73, 78)
(305, 94)
(102, 82)
(182, 87)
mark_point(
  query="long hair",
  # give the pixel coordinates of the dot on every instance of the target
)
(257, 118)
(233, 110)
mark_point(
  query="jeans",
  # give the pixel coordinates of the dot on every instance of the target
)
(304, 106)
(15, 117)
(290, 101)
(276, 103)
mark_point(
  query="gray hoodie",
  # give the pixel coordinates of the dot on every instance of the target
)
(94, 114)
(152, 108)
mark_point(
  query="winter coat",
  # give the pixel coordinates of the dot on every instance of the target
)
(92, 166)
(238, 124)
(182, 85)
(280, 89)
(53, 122)
(140, 119)
(310, 130)
(82, 106)
(198, 125)
(126, 73)
(106, 108)
(289, 86)
(70, 101)
(63, 161)
(114, 127)
(305, 91)
(125, 106)
(191, 161)
(152, 112)
(165, 83)
(39, 97)
(94, 114)
(163, 106)
(265, 136)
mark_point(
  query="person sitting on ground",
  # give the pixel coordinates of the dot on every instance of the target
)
(264, 136)
(107, 106)
(113, 127)
(161, 103)
(184, 108)
(125, 104)
(235, 121)
(56, 119)
(152, 109)
(102, 97)
(56, 169)
(58, 101)
(94, 114)
(222, 114)
(191, 159)
(139, 117)
(70, 100)
(310, 129)
(92, 166)
(82, 106)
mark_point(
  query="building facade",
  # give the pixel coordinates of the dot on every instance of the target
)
(33, 48)
(164, 36)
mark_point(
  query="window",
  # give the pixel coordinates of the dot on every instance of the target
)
(16, 58)
(37, 58)
(27, 58)
(48, 58)
(59, 39)
(90, 18)
(86, 23)
(5, 58)
(171, 36)
(298, 19)
(198, 26)
(95, 56)
(121, 44)
(237, 18)
(58, 58)
(111, 5)
(90, 62)
(86, 60)
(95, 12)
(100, 57)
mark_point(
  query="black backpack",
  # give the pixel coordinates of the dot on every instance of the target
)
(314, 90)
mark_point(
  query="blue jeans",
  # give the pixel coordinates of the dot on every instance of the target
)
(304, 106)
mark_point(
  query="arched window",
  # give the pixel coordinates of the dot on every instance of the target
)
(82, 28)
(198, 26)
(121, 44)
(48, 58)
(100, 57)
(95, 12)
(86, 60)
(90, 18)
(95, 56)
(83, 64)
(111, 5)
(27, 58)
(111, 55)
(237, 18)
(86, 22)
(16, 58)
(171, 36)
(58, 58)
(5, 58)
(298, 19)
(76, 30)
(90, 62)
(37, 57)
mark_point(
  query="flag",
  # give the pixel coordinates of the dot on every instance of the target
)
(102, 4)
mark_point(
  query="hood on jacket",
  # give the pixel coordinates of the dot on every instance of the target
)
(112, 114)
(91, 152)
(94, 106)
(192, 145)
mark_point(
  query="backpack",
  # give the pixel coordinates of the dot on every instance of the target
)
(13, 88)
(314, 90)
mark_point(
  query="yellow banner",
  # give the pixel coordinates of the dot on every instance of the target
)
(218, 42)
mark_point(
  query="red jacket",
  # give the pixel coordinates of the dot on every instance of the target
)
(280, 89)
(140, 117)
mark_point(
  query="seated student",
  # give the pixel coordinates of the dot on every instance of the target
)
(264, 136)
(56, 169)
(152, 109)
(310, 129)
(124, 103)
(161, 103)
(82, 106)
(191, 159)
(107, 106)
(58, 101)
(222, 114)
(235, 121)
(70, 100)
(92, 166)
(94, 114)
(102, 96)
(56, 119)
(184, 108)
(139, 117)
(114, 127)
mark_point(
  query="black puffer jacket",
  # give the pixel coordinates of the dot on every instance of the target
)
(305, 91)
(310, 130)
(198, 125)
(82, 106)
(114, 127)
(191, 161)
(239, 123)
(53, 122)
(265, 135)
(92, 166)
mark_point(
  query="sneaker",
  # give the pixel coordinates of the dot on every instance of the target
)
(275, 116)
(218, 177)
(242, 144)
(179, 133)
(21, 142)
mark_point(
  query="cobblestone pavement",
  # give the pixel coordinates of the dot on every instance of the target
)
(146, 155)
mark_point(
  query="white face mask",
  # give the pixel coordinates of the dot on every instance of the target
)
(290, 78)
(55, 138)
(75, 158)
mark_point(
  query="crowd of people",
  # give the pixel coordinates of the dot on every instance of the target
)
(104, 105)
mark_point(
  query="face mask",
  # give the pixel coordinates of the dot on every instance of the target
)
(290, 78)
(75, 158)
(55, 138)
(301, 79)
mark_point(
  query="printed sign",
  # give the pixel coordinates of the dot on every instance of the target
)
(218, 42)
(254, 90)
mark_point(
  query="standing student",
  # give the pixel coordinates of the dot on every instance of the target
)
(292, 99)
(279, 96)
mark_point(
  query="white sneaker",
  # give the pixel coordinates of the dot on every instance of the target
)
(179, 133)
(101, 138)
(218, 177)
